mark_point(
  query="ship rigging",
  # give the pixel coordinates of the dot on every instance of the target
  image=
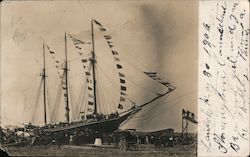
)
(89, 112)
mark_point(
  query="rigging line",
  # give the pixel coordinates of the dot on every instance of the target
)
(81, 96)
(114, 107)
(155, 107)
(113, 84)
(148, 112)
(105, 100)
(37, 99)
(72, 98)
(49, 99)
(58, 98)
(85, 96)
(138, 69)
(99, 95)
(194, 91)
(81, 104)
(110, 81)
(106, 104)
(153, 91)
(56, 103)
(161, 103)
(105, 108)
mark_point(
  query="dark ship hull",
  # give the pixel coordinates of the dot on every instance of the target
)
(81, 133)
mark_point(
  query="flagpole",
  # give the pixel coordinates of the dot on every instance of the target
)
(44, 86)
(66, 79)
(93, 63)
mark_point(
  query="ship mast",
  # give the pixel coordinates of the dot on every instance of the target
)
(93, 61)
(44, 86)
(66, 79)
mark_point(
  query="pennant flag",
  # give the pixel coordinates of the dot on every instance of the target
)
(114, 52)
(89, 81)
(110, 45)
(123, 88)
(89, 88)
(120, 106)
(84, 60)
(109, 42)
(51, 52)
(77, 41)
(64, 88)
(47, 46)
(192, 115)
(90, 103)
(122, 81)
(123, 93)
(98, 23)
(122, 99)
(102, 29)
(156, 78)
(183, 111)
(87, 73)
(78, 47)
(148, 73)
(165, 83)
(107, 37)
(121, 75)
(116, 59)
(91, 96)
(119, 66)
(90, 110)
(152, 75)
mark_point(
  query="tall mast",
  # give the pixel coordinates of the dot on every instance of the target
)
(44, 86)
(93, 61)
(66, 79)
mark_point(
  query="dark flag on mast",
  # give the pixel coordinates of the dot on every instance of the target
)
(107, 37)
(98, 23)
(120, 106)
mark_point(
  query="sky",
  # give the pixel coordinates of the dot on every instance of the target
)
(150, 35)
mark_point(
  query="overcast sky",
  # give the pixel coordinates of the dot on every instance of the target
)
(150, 35)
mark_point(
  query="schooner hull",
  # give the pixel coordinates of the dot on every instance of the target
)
(82, 132)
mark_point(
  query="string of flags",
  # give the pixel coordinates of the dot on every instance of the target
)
(64, 87)
(154, 76)
(59, 65)
(85, 62)
(118, 65)
(78, 44)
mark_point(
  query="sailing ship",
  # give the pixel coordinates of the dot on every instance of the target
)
(95, 118)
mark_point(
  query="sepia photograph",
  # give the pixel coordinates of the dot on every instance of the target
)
(99, 78)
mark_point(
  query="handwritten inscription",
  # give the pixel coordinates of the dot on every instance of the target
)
(224, 78)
